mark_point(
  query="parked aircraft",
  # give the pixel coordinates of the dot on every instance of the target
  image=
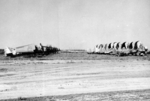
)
(119, 48)
(31, 49)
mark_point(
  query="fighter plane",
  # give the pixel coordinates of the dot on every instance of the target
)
(30, 49)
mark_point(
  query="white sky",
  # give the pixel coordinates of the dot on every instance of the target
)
(73, 24)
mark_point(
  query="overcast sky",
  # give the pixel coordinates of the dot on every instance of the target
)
(73, 24)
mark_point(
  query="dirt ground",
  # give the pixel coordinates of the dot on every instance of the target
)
(75, 77)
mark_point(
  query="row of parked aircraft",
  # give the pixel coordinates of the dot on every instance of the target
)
(118, 48)
(31, 49)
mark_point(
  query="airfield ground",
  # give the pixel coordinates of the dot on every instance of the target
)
(75, 77)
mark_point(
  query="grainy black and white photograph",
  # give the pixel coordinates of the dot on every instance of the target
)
(74, 50)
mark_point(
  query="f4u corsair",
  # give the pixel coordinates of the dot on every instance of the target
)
(31, 49)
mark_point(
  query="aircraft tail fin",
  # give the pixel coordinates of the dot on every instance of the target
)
(7, 51)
